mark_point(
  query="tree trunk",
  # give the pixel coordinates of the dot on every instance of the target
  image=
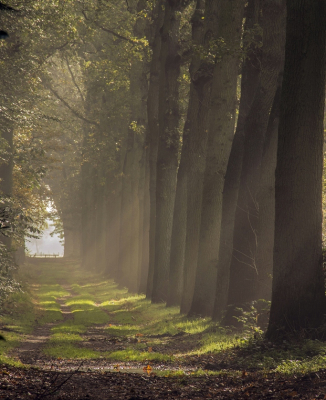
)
(152, 138)
(6, 167)
(251, 69)
(145, 230)
(228, 20)
(201, 74)
(298, 296)
(113, 229)
(101, 224)
(178, 241)
(168, 147)
(243, 275)
(132, 168)
(266, 200)
(88, 210)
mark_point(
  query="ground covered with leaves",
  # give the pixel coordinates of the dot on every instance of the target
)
(75, 336)
(37, 384)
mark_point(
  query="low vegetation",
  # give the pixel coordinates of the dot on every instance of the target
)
(91, 318)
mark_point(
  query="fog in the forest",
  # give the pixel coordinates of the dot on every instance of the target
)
(46, 244)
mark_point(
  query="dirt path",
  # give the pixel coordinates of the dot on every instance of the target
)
(30, 351)
(102, 378)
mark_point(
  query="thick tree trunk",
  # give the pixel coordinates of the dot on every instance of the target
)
(88, 211)
(152, 138)
(141, 196)
(101, 227)
(144, 267)
(251, 69)
(228, 20)
(132, 168)
(201, 73)
(179, 230)
(125, 241)
(266, 201)
(243, 275)
(168, 147)
(298, 296)
(113, 205)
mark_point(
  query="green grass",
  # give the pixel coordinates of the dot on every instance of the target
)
(139, 356)
(19, 318)
(95, 300)
(69, 327)
(288, 358)
(46, 296)
(66, 349)
(12, 341)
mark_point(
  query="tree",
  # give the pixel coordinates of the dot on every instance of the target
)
(168, 144)
(243, 268)
(227, 36)
(153, 133)
(250, 77)
(298, 294)
(179, 230)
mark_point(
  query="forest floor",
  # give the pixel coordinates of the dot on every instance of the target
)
(75, 336)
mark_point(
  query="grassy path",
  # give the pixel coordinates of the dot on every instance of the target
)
(65, 317)
(82, 317)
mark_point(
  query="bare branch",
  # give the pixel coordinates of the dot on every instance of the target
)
(74, 81)
(76, 113)
(110, 31)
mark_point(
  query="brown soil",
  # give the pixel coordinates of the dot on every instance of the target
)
(39, 384)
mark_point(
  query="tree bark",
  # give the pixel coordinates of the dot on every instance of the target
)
(132, 168)
(250, 76)
(228, 20)
(144, 267)
(201, 74)
(168, 146)
(88, 207)
(178, 241)
(298, 296)
(266, 201)
(152, 137)
(243, 275)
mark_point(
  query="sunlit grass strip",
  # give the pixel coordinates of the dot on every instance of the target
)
(69, 327)
(215, 343)
(67, 350)
(49, 308)
(12, 340)
(65, 337)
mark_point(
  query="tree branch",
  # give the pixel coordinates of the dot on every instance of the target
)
(110, 31)
(74, 80)
(76, 113)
